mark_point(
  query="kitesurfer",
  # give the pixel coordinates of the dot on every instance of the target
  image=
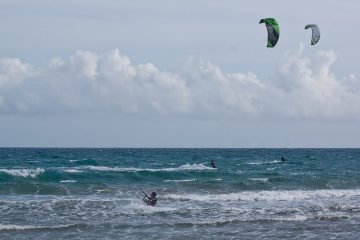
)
(150, 200)
(283, 159)
(212, 162)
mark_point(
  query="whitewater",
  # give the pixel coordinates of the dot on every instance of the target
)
(252, 194)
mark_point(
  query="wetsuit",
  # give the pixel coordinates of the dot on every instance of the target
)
(213, 164)
(150, 200)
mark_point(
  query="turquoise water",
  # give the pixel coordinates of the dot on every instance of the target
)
(94, 193)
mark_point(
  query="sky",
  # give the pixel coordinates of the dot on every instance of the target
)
(136, 73)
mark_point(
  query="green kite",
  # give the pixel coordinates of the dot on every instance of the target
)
(273, 31)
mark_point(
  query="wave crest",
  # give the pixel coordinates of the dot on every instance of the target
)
(5, 227)
(186, 167)
(33, 173)
(293, 195)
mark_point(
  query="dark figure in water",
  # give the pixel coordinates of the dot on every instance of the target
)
(150, 200)
(283, 159)
(213, 164)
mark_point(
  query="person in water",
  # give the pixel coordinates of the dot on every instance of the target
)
(212, 162)
(150, 200)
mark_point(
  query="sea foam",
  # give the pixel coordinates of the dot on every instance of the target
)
(4, 227)
(183, 180)
(73, 171)
(186, 167)
(293, 195)
(23, 172)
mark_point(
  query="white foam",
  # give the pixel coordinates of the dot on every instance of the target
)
(186, 167)
(194, 167)
(77, 160)
(80, 160)
(68, 181)
(275, 161)
(245, 218)
(73, 171)
(23, 172)
(259, 179)
(4, 227)
(294, 195)
(137, 207)
(296, 217)
(261, 163)
(218, 221)
(255, 163)
(184, 180)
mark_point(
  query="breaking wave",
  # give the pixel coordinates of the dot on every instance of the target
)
(4, 227)
(184, 180)
(23, 172)
(293, 195)
(186, 167)
(73, 171)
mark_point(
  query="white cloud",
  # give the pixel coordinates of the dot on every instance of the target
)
(313, 91)
(303, 88)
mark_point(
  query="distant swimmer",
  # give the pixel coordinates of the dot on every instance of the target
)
(213, 164)
(150, 200)
(283, 159)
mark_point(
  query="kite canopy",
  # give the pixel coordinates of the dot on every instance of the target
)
(315, 33)
(273, 31)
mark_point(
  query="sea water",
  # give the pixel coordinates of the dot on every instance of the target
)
(252, 194)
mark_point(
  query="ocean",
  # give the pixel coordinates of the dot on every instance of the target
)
(65, 193)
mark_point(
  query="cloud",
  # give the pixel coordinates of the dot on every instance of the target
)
(311, 90)
(303, 87)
